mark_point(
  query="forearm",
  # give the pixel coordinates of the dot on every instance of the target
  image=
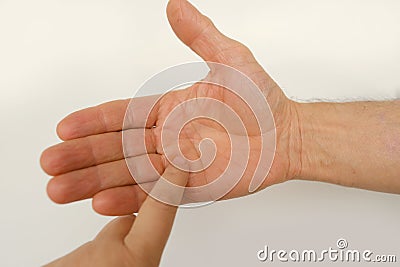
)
(353, 144)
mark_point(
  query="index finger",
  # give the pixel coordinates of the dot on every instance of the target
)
(153, 225)
(109, 117)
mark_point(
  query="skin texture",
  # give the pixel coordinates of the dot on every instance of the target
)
(351, 144)
(90, 163)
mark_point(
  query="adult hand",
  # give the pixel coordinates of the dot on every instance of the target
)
(129, 240)
(90, 163)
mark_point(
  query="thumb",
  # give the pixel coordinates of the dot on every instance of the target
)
(199, 33)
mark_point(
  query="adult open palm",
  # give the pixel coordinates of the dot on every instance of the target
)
(91, 162)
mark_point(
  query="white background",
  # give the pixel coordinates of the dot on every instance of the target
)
(59, 56)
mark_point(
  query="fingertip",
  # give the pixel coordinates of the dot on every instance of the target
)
(101, 206)
(110, 203)
(43, 161)
(60, 130)
(186, 21)
(172, 6)
(65, 131)
(167, 193)
(181, 163)
(49, 161)
(177, 10)
(56, 192)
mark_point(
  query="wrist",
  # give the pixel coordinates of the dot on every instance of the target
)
(288, 160)
(325, 132)
(305, 135)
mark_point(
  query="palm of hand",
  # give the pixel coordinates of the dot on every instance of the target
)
(202, 115)
(90, 163)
